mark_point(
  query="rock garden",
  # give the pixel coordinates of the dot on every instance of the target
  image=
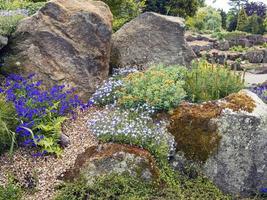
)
(122, 100)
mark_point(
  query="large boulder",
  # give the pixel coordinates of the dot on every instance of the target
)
(239, 165)
(149, 39)
(227, 139)
(67, 41)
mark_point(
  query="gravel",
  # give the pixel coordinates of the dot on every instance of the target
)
(42, 172)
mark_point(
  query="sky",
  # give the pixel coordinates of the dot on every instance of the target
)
(223, 4)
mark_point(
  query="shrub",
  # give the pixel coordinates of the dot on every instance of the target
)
(11, 191)
(40, 112)
(8, 24)
(8, 124)
(209, 82)
(159, 87)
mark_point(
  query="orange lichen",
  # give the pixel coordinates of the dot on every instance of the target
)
(194, 131)
(240, 101)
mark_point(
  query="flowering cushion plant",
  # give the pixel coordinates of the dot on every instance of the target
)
(261, 91)
(40, 112)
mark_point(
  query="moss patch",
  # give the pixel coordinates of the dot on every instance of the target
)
(194, 131)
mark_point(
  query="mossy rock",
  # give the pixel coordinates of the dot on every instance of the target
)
(194, 125)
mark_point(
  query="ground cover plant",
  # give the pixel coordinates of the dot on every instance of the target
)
(8, 24)
(12, 191)
(40, 112)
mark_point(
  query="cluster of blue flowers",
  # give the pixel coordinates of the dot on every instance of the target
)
(34, 105)
(261, 91)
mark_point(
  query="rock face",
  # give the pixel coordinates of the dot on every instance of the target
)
(239, 166)
(113, 158)
(151, 39)
(255, 56)
(67, 41)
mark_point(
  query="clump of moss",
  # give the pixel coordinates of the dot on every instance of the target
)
(193, 129)
(194, 133)
(240, 101)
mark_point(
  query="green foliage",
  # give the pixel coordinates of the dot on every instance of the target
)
(124, 10)
(8, 24)
(234, 35)
(160, 87)
(181, 8)
(231, 21)
(116, 186)
(206, 18)
(255, 25)
(7, 125)
(236, 5)
(239, 49)
(11, 191)
(31, 6)
(224, 19)
(208, 82)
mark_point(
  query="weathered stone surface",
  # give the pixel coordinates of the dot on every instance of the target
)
(256, 39)
(113, 158)
(151, 39)
(239, 166)
(255, 56)
(222, 45)
(3, 41)
(67, 41)
(265, 56)
(244, 42)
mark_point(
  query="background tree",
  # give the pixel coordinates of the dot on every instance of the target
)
(231, 21)
(124, 11)
(236, 5)
(206, 18)
(224, 18)
(242, 20)
(181, 8)
(256, 7)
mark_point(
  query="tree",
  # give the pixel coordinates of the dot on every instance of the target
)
(206, 18)
(224, 18)
(255, 25)
(124, 10)
(242, 20)
(181, 8)
(256, 7)
(237, 5)
(231, 21)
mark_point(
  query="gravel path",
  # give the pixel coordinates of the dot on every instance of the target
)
(47, 169)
